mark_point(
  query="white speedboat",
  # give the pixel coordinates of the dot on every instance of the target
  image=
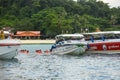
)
(73, 44)
(8, 47)
(107, 42)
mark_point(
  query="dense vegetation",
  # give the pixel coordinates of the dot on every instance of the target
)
(53, 17)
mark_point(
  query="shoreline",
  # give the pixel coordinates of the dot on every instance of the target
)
(37, 41)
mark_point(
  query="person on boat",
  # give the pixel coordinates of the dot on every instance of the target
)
(10, 36)
(92, 38)
(2, 36)
(53, 46)
(60, 40)
(103, 37)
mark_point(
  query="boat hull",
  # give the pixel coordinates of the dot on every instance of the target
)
(9, 55)
(8, 49)
(109, 47)
(69, 49)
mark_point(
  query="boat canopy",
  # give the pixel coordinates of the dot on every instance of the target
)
(69, 37)
(105, 34)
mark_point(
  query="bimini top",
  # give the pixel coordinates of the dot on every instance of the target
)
(103, 32)
(70, 35)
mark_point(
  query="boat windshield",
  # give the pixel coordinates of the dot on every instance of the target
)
(73, 38)
(69, 37)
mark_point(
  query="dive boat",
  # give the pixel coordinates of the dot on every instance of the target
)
(9, 48)
(73, 44)
(107, 42)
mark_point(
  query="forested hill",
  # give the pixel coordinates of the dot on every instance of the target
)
(53, 17)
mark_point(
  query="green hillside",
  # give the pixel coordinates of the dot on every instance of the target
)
(53, 17)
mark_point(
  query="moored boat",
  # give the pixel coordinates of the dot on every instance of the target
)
(73, 44)
(107, 42)
(9, 48)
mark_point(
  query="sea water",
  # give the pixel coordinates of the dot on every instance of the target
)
(33, 66)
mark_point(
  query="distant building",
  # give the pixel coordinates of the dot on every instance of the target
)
(27, 35)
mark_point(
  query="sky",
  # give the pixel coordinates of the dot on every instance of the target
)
(111, 3)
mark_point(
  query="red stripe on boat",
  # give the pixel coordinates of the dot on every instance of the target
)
(9, 44)
(104, 46)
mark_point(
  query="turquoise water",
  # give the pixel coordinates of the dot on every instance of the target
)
(32, 48)
(35, 66)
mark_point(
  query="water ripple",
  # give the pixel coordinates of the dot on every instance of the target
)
(54, 67)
